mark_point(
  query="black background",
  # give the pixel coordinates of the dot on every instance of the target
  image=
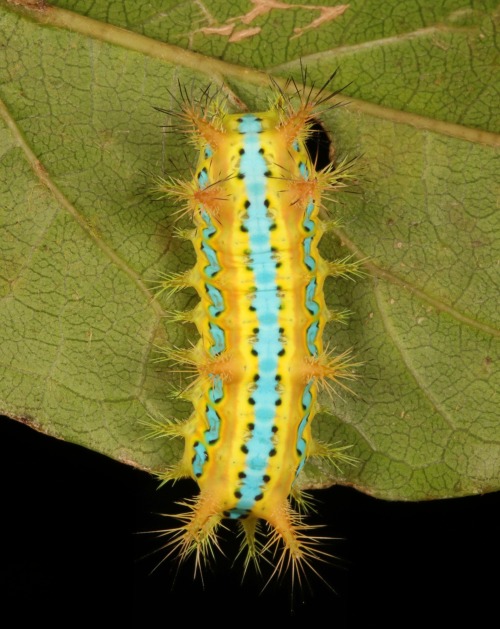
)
(70, 547)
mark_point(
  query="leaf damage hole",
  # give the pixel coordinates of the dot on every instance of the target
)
(319, 145)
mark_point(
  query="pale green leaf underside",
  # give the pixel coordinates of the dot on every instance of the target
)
(83, 240)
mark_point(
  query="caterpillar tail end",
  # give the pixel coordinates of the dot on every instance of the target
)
(197, 535)
(298, 543)
(290, 545)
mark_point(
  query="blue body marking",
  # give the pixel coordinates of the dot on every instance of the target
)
(313, 329)
(312, 336)
(216, 392)
(301, 443)
(199, 458)
(266, 302)
(308, 259)
(218, 337)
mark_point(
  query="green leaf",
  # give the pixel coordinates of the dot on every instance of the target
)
(83, 239)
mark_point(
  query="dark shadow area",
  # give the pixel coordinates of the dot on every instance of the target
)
(70, 548)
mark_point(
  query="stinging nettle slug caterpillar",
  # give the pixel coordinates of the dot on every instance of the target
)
(255, 200)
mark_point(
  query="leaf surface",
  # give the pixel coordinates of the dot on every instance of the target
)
(84, 240)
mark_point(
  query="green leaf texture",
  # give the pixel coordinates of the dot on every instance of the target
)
(84, 240)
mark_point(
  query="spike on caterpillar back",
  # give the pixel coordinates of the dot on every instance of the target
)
(254, 199)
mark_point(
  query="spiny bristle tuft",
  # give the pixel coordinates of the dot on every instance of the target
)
(173, 474)
(193, 198)
(180, 316)
(171, 283)
(251, 546)
(345, 267)
(304, 501)
(328, 368)
(197, 534)
(199, 117)
(198, 363)
(335, 454)
(339, 316)
(298, 544)
(335, 177)
(165, 427)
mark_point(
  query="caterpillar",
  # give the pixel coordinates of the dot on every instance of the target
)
(255, 200)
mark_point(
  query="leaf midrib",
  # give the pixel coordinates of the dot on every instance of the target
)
(216, 69)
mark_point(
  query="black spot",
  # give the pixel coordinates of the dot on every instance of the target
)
(259, 497)
(266, 478)
(196, 444)
(244, 449)
(244, 229)
(247, 203)
(241, 176)
(278, 402)
(242, 151)
(254, 352)
(255, 330)
(251, 426)
(282, 330)
(267, 203)
(237, 494)
(252, 308)
(226, 514)
(268, 173)
(242, 475)
(281, 352)
(258, 119)
(273, 227)
(277, 378)
(239, 120)
(274, 429)
(198, 474)
(278, 265)
(212, 441)
(261, 151)
(251, 401)
(299, 452)
(256, 377)
(272, 452)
